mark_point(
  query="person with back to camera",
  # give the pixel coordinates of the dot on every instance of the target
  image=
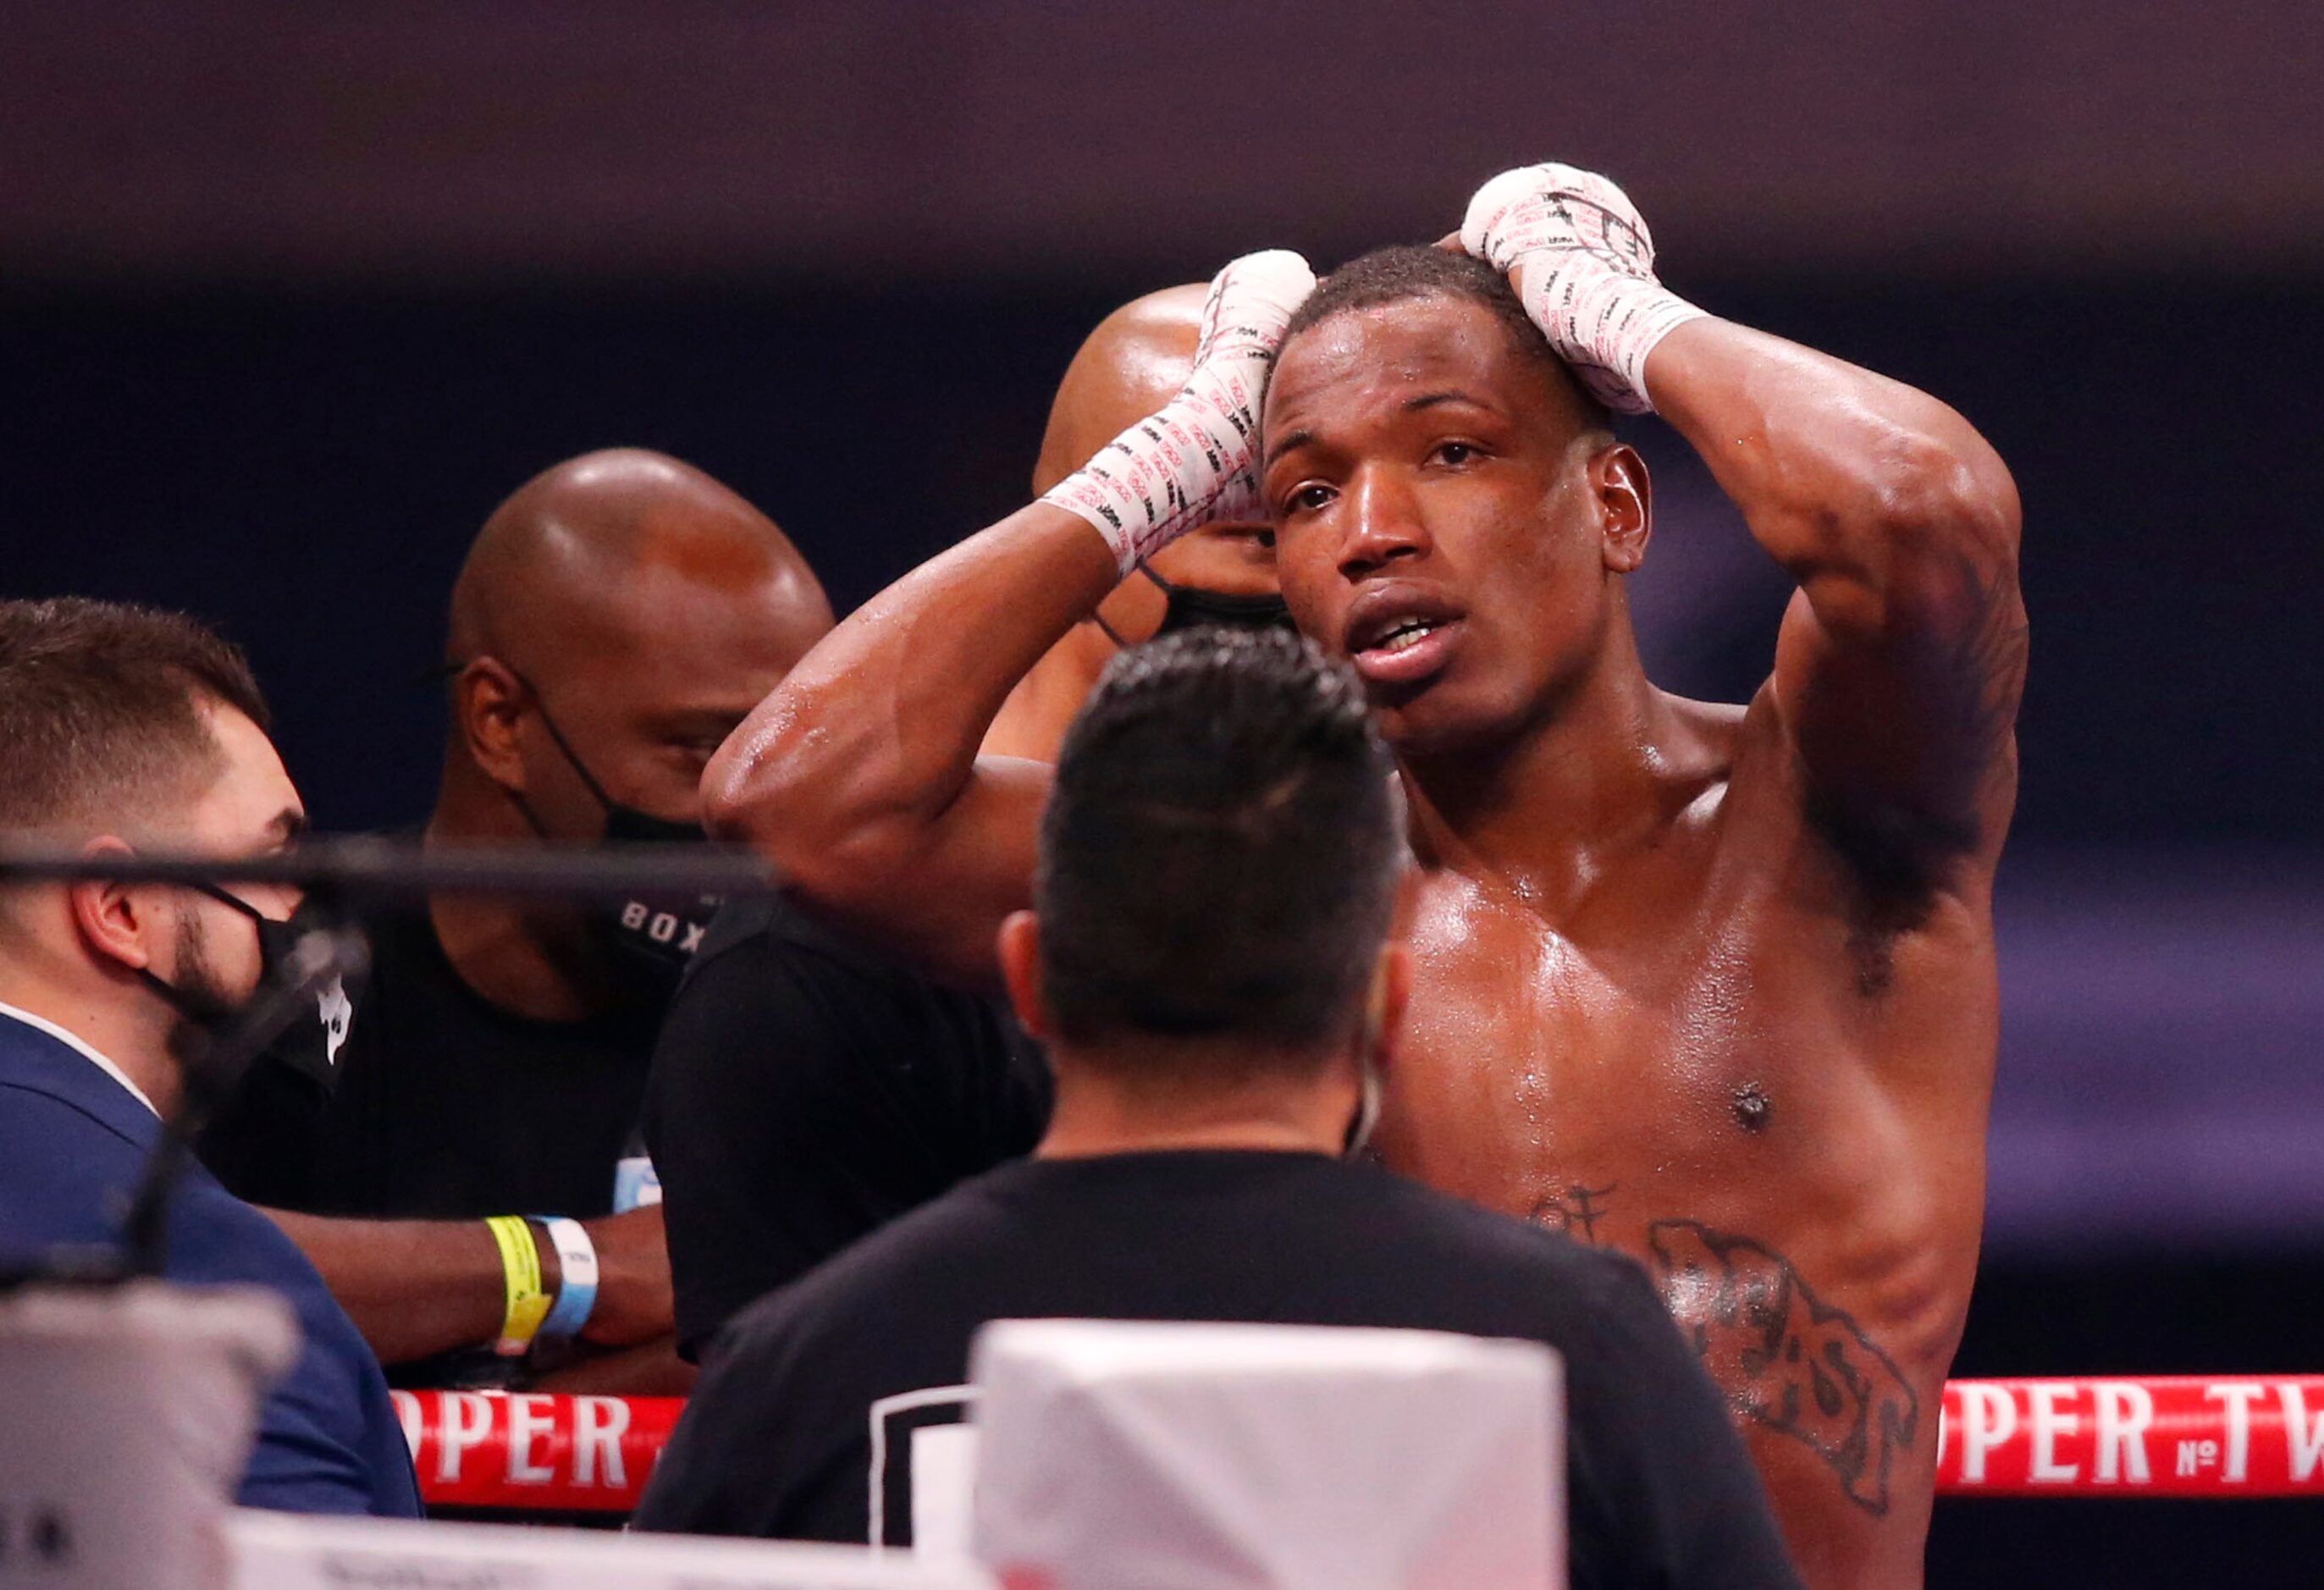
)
(804, 1089)
(125, 730)
(1713, 986)
(1220, 1011)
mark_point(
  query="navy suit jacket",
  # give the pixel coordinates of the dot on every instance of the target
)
(72, 1143)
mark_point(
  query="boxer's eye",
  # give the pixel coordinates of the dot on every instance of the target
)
(1309, 499)
(1455, 453)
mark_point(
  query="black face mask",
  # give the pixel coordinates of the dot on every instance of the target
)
(1188, 607)
(203, 1009)
(310, 1048)
(657, 933)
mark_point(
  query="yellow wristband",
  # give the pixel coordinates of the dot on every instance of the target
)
(528, 1304)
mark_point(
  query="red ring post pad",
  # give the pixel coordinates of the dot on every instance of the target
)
(2129, 1435)
(2249, 1435)
(532, 1450)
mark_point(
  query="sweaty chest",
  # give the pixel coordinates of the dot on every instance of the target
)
(1693, 1085)
(1662, 1043)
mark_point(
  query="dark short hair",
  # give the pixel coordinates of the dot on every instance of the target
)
(1221, 849)
(1404, 272)
(101, 708)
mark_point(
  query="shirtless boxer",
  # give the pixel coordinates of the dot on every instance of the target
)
(1711, 986)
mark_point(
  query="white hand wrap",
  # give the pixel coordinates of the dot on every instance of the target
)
(1584, 262)
(1197, 459)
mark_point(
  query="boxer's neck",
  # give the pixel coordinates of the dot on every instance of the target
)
(1550, 807)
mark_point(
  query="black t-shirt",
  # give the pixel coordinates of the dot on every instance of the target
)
(806, 1093)
(443, 1105)
(778, 1439)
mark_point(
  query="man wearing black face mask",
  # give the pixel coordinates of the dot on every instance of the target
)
(210, 1014)
(654, 935)
(806, 1092)
(127, 728)
(613, 621)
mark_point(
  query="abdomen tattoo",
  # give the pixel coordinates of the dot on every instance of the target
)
(1785, 1360)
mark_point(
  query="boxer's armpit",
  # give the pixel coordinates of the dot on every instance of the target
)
(1785, 1360)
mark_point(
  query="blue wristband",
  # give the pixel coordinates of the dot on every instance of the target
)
(576, 1286)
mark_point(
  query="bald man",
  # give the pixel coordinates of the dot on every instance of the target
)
(615, 619)
(807, 1092)
(1224, 573)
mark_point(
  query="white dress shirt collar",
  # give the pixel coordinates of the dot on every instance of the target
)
(59, 1034)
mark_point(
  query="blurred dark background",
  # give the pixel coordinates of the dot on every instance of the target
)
(291, 296)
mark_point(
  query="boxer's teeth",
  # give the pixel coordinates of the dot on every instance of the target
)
(1411, 636)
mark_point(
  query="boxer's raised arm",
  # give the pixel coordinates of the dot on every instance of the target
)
(860, 777)
(1901, 657)
(1900, 662)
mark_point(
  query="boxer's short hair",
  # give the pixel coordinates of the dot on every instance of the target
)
(1221, 850)
(101, 709)
(1406, 272)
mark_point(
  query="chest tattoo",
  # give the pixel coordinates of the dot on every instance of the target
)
(1576, 1211)
(1787, 1360)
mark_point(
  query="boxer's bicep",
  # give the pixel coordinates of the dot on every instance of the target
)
(936, 903)
(1901, 660)
(1901, 703)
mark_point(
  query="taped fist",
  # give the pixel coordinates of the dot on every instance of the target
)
(1582, 263)
(1197, 460)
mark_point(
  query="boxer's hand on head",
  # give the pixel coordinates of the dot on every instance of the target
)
(1582, 261)
(1197, 459)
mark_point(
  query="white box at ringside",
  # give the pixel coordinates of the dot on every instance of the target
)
(1133, 1457)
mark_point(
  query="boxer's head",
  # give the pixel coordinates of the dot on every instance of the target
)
(1134, 363)
(616, 620)
(132, 729)
(1219, 863)
(1450, 508)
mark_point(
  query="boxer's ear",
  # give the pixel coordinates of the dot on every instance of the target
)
(1625, 498)
(1019, 950)
(488, 702)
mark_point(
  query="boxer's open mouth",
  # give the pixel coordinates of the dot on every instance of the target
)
(1401, 635)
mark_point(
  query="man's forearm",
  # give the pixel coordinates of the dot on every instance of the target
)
(1845, 476)
(1840, 472)
(413, 1288)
